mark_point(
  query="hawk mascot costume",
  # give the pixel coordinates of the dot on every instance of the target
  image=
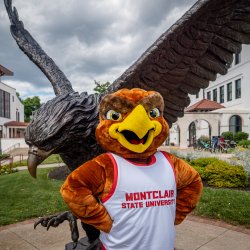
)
(143, 192)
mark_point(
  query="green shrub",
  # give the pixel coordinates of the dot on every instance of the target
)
(219, 173)
(3, 156)
(228, 135)
(201, 171)
(7, 169)
(244, 143)
(204, 138)
(203, 162)
(226, 175)
(200, 165)
(240, 136)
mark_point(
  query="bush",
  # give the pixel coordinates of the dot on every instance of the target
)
(3, 156)
(203, 162)
(226, 175)
(201, 171)
(244, 143)
(228, 135)
(219, 173)
(240, 136)
(7, 169)
(200, 165)
(204, 138)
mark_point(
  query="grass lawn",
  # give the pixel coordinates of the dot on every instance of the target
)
(231, 206)
(55, 158)
(52, 159)
(23, 197)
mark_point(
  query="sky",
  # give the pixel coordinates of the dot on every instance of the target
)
(90, 40)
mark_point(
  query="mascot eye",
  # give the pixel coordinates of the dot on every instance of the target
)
(154, 113)
(113, 115)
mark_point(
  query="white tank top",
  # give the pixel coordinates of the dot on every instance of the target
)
(142, 205)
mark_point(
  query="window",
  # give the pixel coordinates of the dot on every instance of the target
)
(238, 89)
(4, 104)
(17, 115)
(222, 94)
(215, 95)
(197, 95)
(192, 134)
(209, 95)
(235, 124)
(229, 92)
(237, 59)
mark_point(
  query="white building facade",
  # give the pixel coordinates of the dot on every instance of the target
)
(233, 92)
(12, 125)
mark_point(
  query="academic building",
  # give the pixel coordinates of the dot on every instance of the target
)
(12, 125)
(223, 106)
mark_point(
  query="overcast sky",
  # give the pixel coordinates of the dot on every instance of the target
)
(88, 39)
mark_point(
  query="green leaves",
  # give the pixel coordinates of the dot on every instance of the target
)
(220, 173)
(101, 87)
(31, 104)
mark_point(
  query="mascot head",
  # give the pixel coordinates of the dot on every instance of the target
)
(131, 123)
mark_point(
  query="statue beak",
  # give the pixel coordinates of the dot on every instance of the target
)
(35, 157)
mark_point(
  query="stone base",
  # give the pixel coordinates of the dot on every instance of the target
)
(83, 244)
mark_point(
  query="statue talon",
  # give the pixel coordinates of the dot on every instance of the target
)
(43, 221)
(53, 222)
(56, 219)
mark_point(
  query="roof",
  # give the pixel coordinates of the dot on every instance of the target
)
(16, 124)
(5, 71)
(204, 105)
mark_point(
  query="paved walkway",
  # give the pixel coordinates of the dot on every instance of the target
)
(51, 165)
(193, 233)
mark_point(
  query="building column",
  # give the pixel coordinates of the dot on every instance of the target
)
(183, 135)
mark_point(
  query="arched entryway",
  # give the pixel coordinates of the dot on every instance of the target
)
(235, 124)
(198, 129)
(210, 119)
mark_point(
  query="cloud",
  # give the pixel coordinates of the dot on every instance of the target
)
(89, 40)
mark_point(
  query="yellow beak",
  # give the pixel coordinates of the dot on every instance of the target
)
(136, 132)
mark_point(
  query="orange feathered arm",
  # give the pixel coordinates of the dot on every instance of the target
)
(189, 188)
(80, 190)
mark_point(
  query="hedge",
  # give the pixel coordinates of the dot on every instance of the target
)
(244, 143)
(7, 169)
(218, 173)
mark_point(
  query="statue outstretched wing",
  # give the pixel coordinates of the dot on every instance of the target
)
(35, 53)
(183, 60)
(191, 53)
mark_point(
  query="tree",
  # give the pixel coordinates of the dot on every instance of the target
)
(19, 97)
(101, 87)
(31, 104)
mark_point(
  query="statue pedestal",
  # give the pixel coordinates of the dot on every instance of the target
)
(83, 244)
